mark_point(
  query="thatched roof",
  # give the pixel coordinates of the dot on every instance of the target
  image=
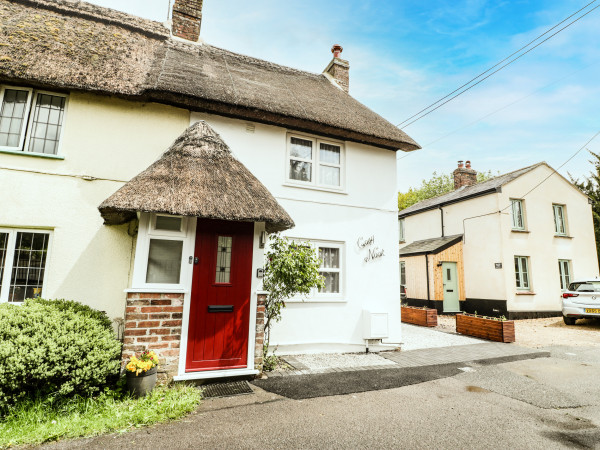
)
(197, 177)
(78, 46)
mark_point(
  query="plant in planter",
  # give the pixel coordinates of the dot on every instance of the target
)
(141, 373)
(493, 328)
(424, 316)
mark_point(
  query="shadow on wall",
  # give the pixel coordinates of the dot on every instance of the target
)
(100, 274)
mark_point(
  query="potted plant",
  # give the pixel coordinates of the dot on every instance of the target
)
(141, 373)
(426, 317)
(493, 328)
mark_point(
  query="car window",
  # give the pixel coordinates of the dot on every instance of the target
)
(588, 286)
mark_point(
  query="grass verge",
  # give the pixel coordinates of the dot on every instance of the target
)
(42, 420)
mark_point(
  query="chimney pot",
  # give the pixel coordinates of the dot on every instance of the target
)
(337, 49)
(468, 164)
(460, 164)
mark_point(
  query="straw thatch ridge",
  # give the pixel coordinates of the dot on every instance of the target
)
(197, 177)
(73, 45)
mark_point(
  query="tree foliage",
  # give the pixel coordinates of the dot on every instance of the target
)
(590, 186)
(292, 269)
(435, 186)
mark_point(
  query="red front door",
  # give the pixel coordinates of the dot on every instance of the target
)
(220, 300)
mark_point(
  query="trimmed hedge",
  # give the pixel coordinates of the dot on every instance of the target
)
(54, 347)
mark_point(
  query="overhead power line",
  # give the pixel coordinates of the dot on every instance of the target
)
(469, 85)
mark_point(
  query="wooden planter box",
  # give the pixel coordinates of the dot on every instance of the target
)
(419, 316)
(482, 327)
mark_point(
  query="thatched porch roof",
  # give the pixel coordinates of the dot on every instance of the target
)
(197, 177)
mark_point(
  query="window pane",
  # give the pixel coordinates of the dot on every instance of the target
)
(301, 148)
(223, 259)
(3, 246)
(402, 273)
(517, 213)
(329, 175)
(300, 170)
(164, 261)
(47, 124)
(330, 258)
(332, 282)
(29, 261)
(517, 272)
(329, 154)
(12, 117)
(168, 223)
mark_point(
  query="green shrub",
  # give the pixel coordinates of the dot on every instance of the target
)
(54, 348)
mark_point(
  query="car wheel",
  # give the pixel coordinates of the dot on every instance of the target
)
(569, 320)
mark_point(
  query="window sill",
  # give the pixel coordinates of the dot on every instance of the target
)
(31, 154)
(154, 290)
(316, 188)
(520, 231)
(525, 293)
(563, 236)
(317, 300)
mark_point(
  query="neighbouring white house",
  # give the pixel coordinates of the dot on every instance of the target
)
(141, 168)
(503, 247)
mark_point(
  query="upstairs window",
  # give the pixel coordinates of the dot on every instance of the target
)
(401, 230)
(31, 121)
(315, 162)
(518, 215)
(560, 224)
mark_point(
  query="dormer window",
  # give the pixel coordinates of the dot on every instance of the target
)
(31, 121)
(315, 162)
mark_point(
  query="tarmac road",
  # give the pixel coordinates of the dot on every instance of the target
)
(543, 403)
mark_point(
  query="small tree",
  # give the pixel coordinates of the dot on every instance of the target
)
(590, 186)
(435, 186)
(292, 268)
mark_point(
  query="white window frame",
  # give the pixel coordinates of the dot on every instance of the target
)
(316, 163)
(147, 231)
(515, 225)
(401, 230)
(403, 269)
(10, 255)
(565, 278)
(521, 272)
(555, 208)
(28, 120)
(25, 117)
(316, 296)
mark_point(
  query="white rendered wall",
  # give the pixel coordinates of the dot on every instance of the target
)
(541, 245)
(103, 138)
(367, 207)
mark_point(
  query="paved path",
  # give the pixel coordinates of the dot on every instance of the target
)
(415, 337)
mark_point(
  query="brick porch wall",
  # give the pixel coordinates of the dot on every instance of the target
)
(153, 322)
(260, 332)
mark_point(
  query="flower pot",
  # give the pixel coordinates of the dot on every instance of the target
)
(425, 317)
(142, 384)
(485, 328)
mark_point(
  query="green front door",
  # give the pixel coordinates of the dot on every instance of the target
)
(450, 277)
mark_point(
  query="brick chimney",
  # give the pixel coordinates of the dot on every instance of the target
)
(464, 175)
(339, 68)
(187, 17)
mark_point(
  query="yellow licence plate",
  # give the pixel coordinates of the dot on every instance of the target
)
(592, 311)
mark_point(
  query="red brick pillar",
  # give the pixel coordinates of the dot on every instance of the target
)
(260, 331)
(153, 322)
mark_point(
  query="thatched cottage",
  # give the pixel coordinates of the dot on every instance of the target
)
(142, 169)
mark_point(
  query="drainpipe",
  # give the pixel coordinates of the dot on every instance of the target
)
(427, 272)
(442, 216)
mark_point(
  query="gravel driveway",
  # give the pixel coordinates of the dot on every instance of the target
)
(538, 333)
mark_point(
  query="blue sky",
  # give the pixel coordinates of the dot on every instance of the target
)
(405, 55)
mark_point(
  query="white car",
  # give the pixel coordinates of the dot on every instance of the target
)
(582, 299)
